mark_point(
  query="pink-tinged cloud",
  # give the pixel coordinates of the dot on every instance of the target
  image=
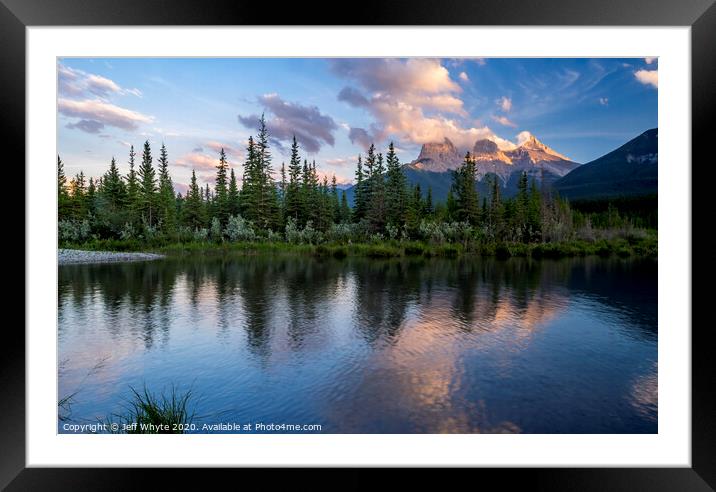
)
(648, 77)
(463, 76)
(180, 188)
(397, 76)
(78, 83)
(102, 112)
(413, 100)
(650, 59)
(342, 161)
(198, 161)
(503, 120)
(230, 150)
(505, 104)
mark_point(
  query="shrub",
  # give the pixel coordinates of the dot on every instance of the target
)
(74, 231)
(127, 232)
(200, 234)
(307, 235)
(240, 229)
(215, 232)
(340, 233)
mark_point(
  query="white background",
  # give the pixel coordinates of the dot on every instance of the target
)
(671, 446)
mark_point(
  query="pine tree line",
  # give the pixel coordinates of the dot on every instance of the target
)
(143, 204)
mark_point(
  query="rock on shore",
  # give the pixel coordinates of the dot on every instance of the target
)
(72, 256)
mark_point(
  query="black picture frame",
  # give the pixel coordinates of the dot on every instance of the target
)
(700, 15)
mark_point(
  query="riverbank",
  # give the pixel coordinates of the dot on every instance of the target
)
(637, 247)
(76, 256)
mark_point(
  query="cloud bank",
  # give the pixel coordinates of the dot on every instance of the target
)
(413, 100)
(312, 128)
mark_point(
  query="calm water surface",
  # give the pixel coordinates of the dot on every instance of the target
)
(369, 346)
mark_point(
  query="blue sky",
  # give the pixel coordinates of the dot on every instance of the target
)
(582, 108)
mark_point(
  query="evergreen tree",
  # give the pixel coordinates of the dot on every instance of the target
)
(249, 202)
(345, 214)
(167, 200)
(91, 199)
(396, 189)
(78, 194)
(193, 208)
(377, 214)
(294, 202)
(521, 208)
(496, 211)
(466, 199)
(233, 195)
(133, 200)
(221, 192)
(147, 187)
(335, 203)
(260, 202)
(429, 201)
(360, 199)
(267, 195)
(534, 212)
(450, 206)
(113, 188)
(310, 193)
(63, 197)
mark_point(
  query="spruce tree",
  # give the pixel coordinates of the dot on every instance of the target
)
(78, 196)
(360, 202)
(249, 202)
(293, 201)
(466, 199)
(429, 201)
(133, 201)
(63, 197)
(335, 203)
(167, 200)
(396, 189)
(147, 187)
(377, 212)
(113, 188)
(193, 209)
(345, 214)
(268, 205)
(233, 195)
(221, 192)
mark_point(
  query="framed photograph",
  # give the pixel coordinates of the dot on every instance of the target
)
(455, 236)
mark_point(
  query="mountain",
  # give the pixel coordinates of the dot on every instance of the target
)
(631, 170)
(532, 156)
(438, 157)
(436, 161)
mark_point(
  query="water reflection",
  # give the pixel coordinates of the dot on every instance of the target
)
(358, 345)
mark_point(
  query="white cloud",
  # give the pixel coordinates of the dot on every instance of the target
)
(73, 82)
(522, 137)
(505, 103)
(102, 112)
(650, 59)
(503, 120)
(648, 77)
(463, 76)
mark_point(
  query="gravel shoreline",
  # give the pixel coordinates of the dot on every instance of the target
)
(74, 256)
